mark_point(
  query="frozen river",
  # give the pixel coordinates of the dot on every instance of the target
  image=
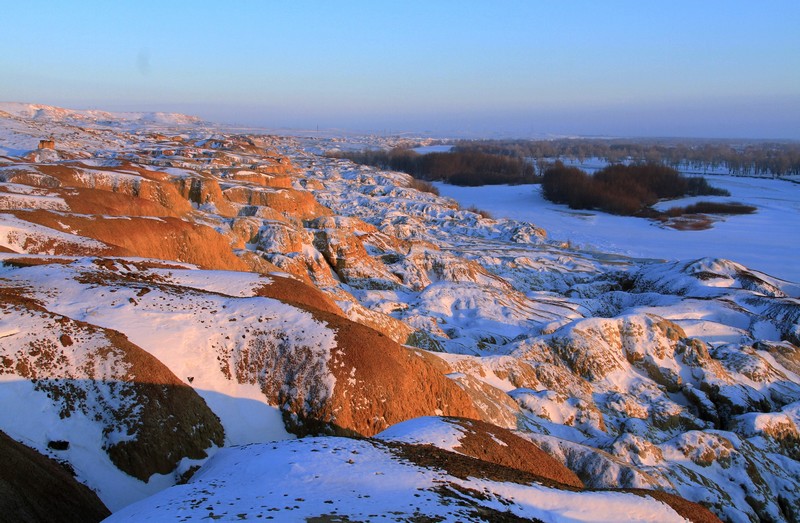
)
(767, 241)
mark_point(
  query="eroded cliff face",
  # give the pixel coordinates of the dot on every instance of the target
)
(168, 275)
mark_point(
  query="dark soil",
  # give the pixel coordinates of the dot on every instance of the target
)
(34, 488)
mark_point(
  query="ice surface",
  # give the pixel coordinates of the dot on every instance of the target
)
(766, 241)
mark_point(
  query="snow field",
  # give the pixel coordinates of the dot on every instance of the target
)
(766, 241)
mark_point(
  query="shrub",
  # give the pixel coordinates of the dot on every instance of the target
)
(570, 185)
(619, 189)
(423, 186)
(469, 168)
(481, 212)
(712, 208)
(699, 186)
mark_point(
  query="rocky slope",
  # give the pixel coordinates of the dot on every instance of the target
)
(35, 488)
(236, 289)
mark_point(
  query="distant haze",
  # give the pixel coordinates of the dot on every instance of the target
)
(725, 69)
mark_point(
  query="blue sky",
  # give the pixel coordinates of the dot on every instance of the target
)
(707, 68)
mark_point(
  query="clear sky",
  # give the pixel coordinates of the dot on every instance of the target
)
(705, 68)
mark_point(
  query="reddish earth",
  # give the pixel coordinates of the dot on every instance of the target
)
(162, 238)
(380, 383)
(289, 290)
(497, 445)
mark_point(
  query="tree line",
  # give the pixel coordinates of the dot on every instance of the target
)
(628, 190)
(468, 168)
(756, 158)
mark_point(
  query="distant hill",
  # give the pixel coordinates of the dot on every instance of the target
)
(49, 113)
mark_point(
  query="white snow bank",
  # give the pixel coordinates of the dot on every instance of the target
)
(360, 481)
(425, 430)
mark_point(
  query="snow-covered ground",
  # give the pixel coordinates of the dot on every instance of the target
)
(766, 241)
(425, 149)
(338, 479)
